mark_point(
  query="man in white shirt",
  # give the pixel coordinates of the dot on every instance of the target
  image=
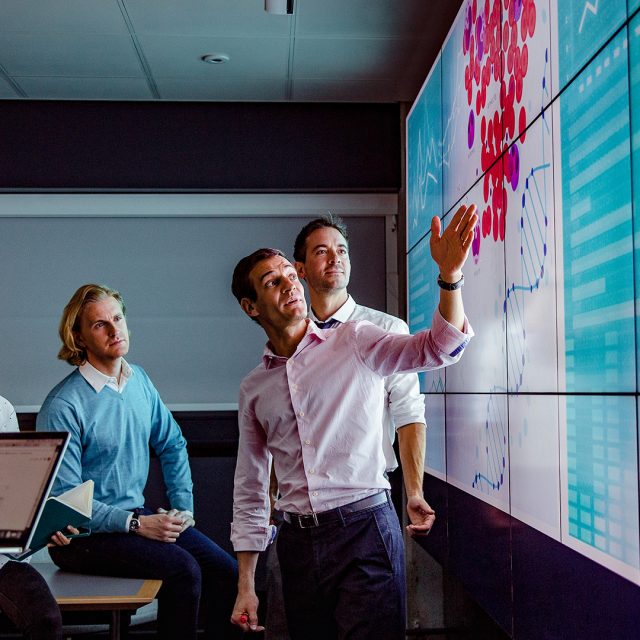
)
(321, 254)
(314, 406)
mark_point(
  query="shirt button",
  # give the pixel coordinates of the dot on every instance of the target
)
(307, 441)
(312, 470)
(301, 414)
(315, 493)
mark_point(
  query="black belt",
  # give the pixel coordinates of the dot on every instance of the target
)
(311, 520)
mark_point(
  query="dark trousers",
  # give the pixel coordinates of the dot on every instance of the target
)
(195, 572)
(345, 579)
(26, 600)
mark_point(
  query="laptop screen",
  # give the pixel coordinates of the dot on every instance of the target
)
(29, 461)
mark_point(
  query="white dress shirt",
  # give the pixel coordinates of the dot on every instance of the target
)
(404, 404)
(319, 413)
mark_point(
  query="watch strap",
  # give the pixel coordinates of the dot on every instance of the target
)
(450, 286)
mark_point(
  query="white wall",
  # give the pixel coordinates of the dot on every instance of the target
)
(171, 256)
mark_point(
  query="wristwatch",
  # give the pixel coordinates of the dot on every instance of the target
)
(134, 523)
(450, 286)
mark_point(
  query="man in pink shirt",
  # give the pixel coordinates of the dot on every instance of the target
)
(313, 407)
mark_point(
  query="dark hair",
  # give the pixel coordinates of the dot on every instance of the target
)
(331, 221)
(241, 285)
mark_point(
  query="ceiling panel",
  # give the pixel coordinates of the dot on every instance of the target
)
(6, 90)
(355, 59)
(85, 88)
(69, 16)
(366, 18)
(53, 54)
(221, 90)
(319, 90)
(206, 18)
(180, 57)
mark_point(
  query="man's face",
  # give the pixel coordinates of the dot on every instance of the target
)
(103, 332)
(279, 293)
(326, 266)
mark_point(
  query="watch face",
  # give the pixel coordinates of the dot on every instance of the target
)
(134, 524)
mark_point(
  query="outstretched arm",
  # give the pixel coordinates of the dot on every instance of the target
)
(449, 249)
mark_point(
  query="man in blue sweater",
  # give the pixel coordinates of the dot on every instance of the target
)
(114, 414)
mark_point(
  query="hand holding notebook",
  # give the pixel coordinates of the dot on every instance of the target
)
(73, 508)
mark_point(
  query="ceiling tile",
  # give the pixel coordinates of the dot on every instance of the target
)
(366, 18)
(6, 90)
(70, 16)
(206, 18)
(85, 88)
(326, 90)
(227, 90)
(75, 55)
(352, 58)
(180, 57)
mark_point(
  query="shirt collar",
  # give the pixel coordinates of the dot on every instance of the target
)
(99, 380)
(270, 359)
(342, 314)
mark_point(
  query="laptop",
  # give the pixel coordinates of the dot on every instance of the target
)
(29, 461)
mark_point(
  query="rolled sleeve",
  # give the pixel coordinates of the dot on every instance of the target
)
(450, 340)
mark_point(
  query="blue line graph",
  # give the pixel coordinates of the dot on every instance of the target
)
(493, 451)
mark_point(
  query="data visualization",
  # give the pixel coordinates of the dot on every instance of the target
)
(532, 113)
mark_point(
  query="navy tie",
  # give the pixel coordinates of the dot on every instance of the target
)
(328, 324)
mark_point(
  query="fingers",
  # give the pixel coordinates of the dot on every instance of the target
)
(436, 226)
(186, 517)
(462, 217)
(161, 526)
(415, 530)
(172, 531)
(246, 621)
(60, 539)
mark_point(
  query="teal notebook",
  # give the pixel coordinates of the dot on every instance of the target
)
(70, 508)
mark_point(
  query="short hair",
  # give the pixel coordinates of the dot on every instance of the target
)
(71, 352)
(330, 220)
(241, 285)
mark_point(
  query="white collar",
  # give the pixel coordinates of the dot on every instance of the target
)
(99, 380)
(341, 315)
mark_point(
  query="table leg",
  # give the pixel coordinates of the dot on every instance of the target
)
(114, 633)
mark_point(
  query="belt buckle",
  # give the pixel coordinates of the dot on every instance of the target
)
(302, 519)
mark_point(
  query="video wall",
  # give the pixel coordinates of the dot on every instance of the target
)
(531, 111)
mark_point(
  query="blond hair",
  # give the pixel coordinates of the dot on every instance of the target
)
(71, 351)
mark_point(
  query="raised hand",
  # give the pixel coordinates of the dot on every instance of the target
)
(451, 248)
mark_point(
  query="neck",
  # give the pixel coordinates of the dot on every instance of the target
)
(285, 340)
(326, 303)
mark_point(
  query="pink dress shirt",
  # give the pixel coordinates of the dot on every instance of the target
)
(319, 414)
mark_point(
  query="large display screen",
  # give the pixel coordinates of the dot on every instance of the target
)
(531, 112)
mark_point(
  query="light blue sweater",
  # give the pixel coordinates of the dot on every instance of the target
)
(110, 437)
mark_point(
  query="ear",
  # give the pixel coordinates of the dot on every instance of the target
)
(78, 339)
(249, 307)
(300, 269)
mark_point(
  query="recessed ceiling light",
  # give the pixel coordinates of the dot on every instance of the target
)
(215, 58)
